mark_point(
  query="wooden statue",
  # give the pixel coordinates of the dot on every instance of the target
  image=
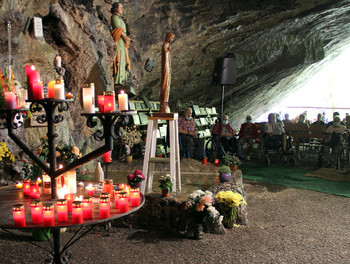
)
(121, 66)
(166, 74)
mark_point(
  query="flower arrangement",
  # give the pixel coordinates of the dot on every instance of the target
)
(199, 205)
(5, 152)
(127, 150)
(131, 136)
(136, 177)
(227, 203)
(231, 161)
(65, 154)
(166, 183)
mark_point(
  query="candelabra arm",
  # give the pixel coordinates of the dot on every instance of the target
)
(85, 159)
(27, 150)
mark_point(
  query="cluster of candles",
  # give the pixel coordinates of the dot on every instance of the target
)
(36, 88)
(106, 102)
(31, 188)
(81, 207)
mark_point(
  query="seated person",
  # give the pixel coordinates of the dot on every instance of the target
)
(319, 120)
(331, 123)
(228, 139)
(302, 124)
(333, 139)
(189, 135)
(274, 129)
(286, 119)
(248, 133)
(347, 121)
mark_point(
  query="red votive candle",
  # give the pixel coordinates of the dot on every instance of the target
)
(108, 186)
(62, 210)
(105, 207)
(109, 104)
(116, 198)
(216, 162)
(10, 100)
(205, 161)
(107, 157)
(77, 212)
(48, 214)
(34, 190)
(26, 187)
(101, 103)
(123, 186)
(70, 198)
(19, 215)
(123, 202)
(36, 208)
(47, 187)
(135, 197)
(87, 207)
(90, 190)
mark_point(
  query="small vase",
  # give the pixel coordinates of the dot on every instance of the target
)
(234, 168)
(225, 177)
(165, 193)
(128, 159)
(198, 232)
(135, 185)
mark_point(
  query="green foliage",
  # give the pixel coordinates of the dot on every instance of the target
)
(225, 169)
(231, 160)
(166, 183)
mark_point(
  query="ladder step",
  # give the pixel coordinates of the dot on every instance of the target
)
(159, 160)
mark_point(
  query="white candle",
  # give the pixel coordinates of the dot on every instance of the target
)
(59, 89)
(123, 101)
(58, 61)
(88, 106)
(89, 95)
(10, 100)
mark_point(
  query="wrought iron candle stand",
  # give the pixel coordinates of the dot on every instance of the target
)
(52, 115)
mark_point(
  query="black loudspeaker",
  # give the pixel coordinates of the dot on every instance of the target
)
(225, 70)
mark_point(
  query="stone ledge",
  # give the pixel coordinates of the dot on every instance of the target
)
(167, 214)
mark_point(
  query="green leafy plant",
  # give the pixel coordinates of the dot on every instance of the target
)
(225, 169)
(166, 183)
(231, 160)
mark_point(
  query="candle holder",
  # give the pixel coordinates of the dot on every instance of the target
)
(34, 190)
(108, 186)
(77, 212)
(26, 187)
(37, 212)
(19, 215)
(105, 207)
(48, 214)
(62, 210)
(87, 207)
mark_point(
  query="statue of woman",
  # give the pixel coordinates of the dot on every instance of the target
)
(121, 64)
(166, 74)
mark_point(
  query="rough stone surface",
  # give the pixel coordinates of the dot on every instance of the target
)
(274, 41)
(167, 214)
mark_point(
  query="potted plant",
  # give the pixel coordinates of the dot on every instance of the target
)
(128, 157)
(205, 160)
(159, 151)
(166, 185)
(225, 173)
(232, 161)
(200, 208)
(135, 179)
(227, 203)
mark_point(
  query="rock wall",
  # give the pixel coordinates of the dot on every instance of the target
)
(274, 41)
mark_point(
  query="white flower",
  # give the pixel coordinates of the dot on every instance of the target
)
(213, 212)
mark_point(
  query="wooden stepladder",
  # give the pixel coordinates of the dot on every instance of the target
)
(151, 144)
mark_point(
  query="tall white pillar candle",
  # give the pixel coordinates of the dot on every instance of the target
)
(123, 101)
